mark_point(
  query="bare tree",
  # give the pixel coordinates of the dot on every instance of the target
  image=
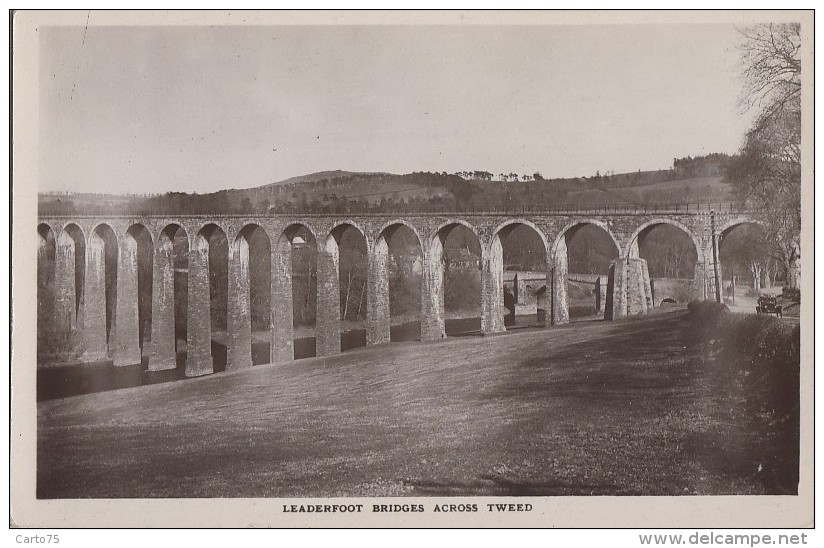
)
(766, 175)
(771, 67)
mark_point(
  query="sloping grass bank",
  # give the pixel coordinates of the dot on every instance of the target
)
(753, 362)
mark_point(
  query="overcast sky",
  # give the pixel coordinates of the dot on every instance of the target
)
(199, 109)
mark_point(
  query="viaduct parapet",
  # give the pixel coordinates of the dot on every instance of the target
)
(80, 309)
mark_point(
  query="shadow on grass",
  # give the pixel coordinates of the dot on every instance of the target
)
(490, 485)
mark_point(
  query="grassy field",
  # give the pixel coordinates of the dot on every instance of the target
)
(594, 408)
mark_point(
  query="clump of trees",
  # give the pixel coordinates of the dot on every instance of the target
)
(766, 175)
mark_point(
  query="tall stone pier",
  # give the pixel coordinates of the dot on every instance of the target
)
(198, 313)
(377, 299)
(492, 289)
(96, 338)
(281, 343)
(127, 328)
(327, 336)
(238, 312)
(433, 318)
(162, 351)
(560, 276)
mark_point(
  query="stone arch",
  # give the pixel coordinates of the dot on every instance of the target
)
(731, 224)
(290, 229)
(338, 228)
(100, 293)
(493, 307)
(282, 342)
(453, 223)
(169, 228)
(249, 295)
(134, 294)
(649, 225)
(382, 231)
(633, 288)
(512, 223)
(169, 297)
(559, 305)
(723, 231)
(206, 310)
(435, 315)
(579, 223)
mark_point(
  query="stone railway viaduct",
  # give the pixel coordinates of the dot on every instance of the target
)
(84, 316)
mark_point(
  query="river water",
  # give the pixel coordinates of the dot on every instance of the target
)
(72, 380)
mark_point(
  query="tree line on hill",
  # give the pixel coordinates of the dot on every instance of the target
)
(417, 192)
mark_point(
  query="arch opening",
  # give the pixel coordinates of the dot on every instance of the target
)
(583, 254)
(750, 265)
(347, 248)
(249, 298)
(517, 257)
(396, 276)
(456, 258)
(673, 263)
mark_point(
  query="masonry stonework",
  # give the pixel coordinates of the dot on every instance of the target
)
(96, 344)
(433, 315)
(64, 269)
(625, 290)
(560, 276)
(238, 310)
(126, 329)
(162, 353)
(281, 342)
(328, 312)
(198, 313)
(377, 296)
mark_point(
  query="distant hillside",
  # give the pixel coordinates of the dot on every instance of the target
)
(690, 180)
(319, 176)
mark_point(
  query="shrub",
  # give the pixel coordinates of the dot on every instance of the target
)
(707, 313)
(791, 294)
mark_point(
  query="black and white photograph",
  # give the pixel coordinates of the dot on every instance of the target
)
(508, 269)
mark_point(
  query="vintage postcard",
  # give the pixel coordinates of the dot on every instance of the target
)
(412, 269)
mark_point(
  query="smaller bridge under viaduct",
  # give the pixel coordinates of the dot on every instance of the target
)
(80, 309)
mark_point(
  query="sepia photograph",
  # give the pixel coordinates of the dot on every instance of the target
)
(507, 269)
